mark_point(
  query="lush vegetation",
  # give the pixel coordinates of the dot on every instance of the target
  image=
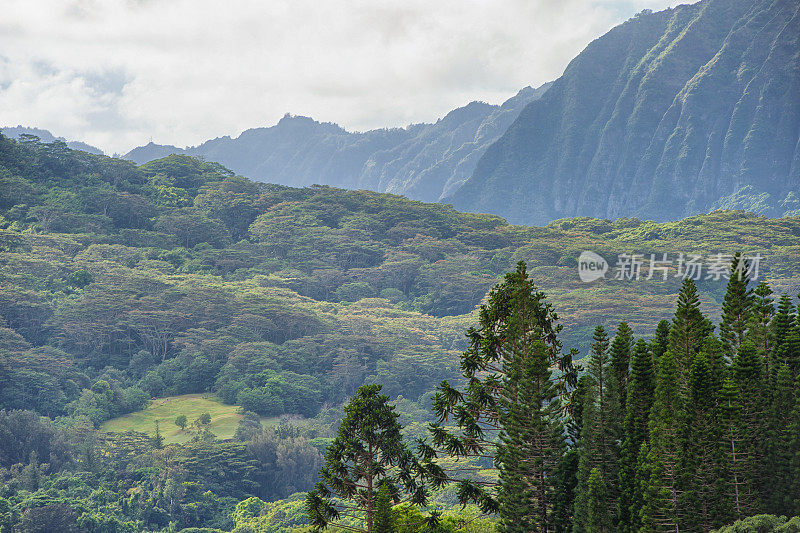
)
(120, 284)
(689, 431)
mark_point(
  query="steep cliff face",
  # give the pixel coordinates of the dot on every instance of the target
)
(423, 161)
(669, 114)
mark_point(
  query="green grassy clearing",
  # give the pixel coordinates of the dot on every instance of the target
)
(224, 418)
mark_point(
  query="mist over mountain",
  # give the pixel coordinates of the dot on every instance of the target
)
(422, 161)
(669, 114)
(47, 137)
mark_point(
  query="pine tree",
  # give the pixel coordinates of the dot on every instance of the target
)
(384, 515)
(689, 328)
(759, 329)
(738, 474)
(701, 458)
(566, 481)
(748, 369)
(778, 498)
(784, 319)
(789, 352)
(516, 318)
(532, 442)
(621, 348)
(597, 520)
(793, 475)
(639, 402)
(158, 438)
(737, 306)
(598, 446)
(358, 461)
(661, 492)
(567, 470)
(660, 341)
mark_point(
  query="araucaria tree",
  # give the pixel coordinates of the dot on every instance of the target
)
(367, 453)
(509, 411)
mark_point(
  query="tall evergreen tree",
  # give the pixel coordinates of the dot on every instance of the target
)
(566, 481)
(784, 319)
(738, 491)
(779, 496)
(792, 500)
(748, 370)
(689, 328)
(700, 508)
(662, 492)
(660, 341)
(384, 515)
(567, 470)
(531, 442)
(515, 319)
(368, 451)
(598, 447)
(621, 348)
(759, 329)
(737, 306)
(641, 387)
(597, 519)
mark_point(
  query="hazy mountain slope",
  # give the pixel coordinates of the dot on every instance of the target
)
(47, 137)
(423, 161)
(443, 155)
(669, 114)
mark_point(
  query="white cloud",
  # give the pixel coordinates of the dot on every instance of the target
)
(116, 73)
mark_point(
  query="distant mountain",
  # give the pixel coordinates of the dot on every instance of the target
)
(669, 114)
(47, 137)
(422, 161)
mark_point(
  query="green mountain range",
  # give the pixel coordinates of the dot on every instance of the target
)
(423, 161)
(669, 114)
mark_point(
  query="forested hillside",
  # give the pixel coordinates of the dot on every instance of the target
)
(120, 283)
(423, 161)
(667, 115)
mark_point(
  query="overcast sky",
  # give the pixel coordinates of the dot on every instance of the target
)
(118, 73)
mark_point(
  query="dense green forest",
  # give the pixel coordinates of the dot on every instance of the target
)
(120, 284)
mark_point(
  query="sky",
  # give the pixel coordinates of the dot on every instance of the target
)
(120, 73)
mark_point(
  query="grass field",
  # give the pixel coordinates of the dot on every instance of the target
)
(224, 418)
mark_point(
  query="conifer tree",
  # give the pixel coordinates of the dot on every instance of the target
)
(689, 328)
(639, 402)
(660, 341)
(738, 493)
(661, 490)
(566, 481)
(516, 318)
(737, 306)
(779, 495)
(700, 508)
(567, 470)
(368, 443)
(384, 516)
(789, 351)
(598, 447)
(748, 369)
(792, 500)
(784, 319)
(597, 520)
(759, 329)
(621, 348)
(531, 442)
